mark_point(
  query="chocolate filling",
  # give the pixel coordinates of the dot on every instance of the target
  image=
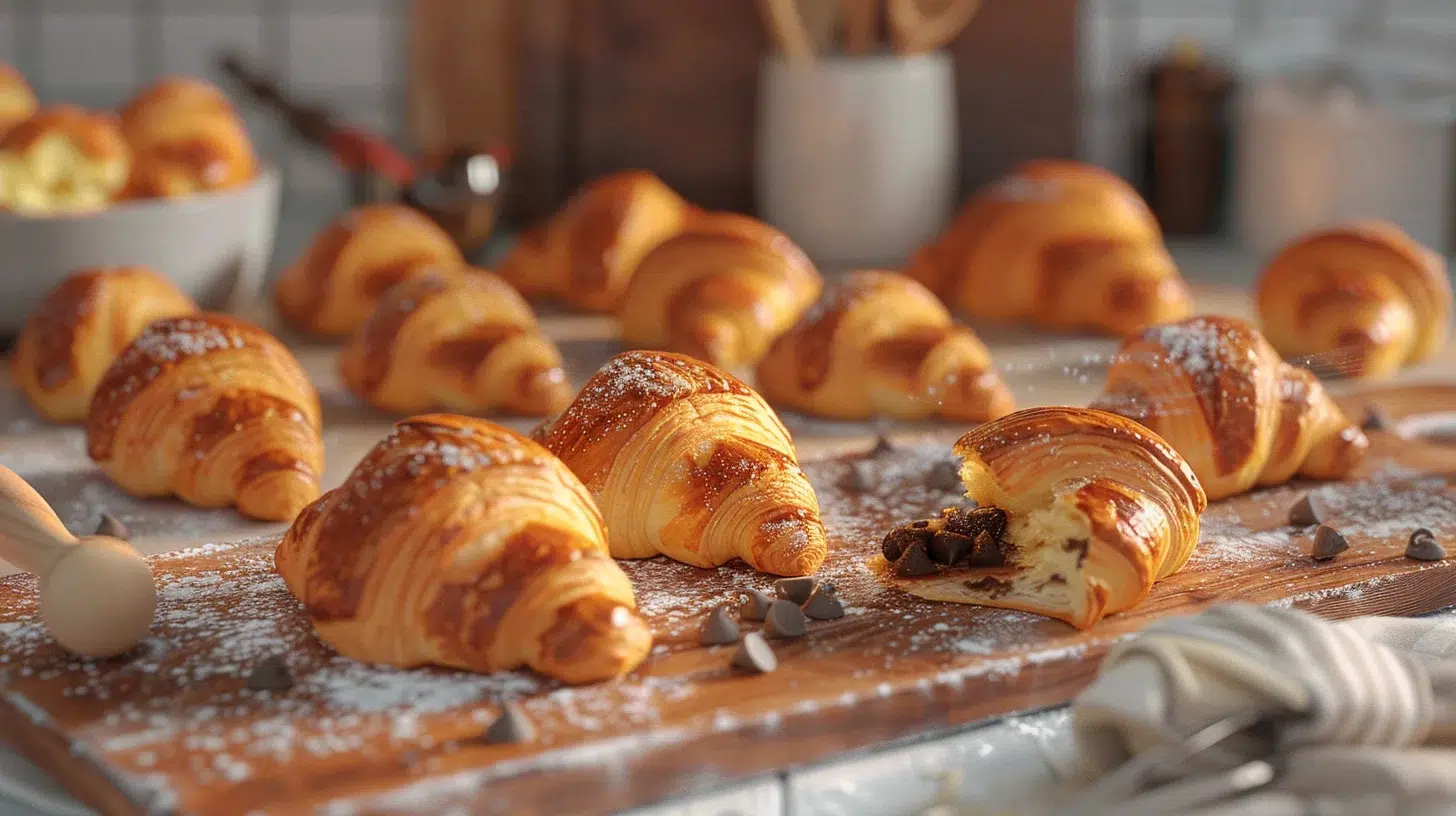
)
(960, 537)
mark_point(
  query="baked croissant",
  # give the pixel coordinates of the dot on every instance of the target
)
(75, 333)
(1058, 244)
(721, 290)
(213, 410)
(185, 138)
(687, 461)
(1216, 390)
(462, 342)
(17, 100)
(333, 288)
(62, 160)
(1079, 513)
(1366, 295)
(456, 542)
(879, 343)
(585, 255)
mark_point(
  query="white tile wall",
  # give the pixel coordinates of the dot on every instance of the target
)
(86, 49)
(190, 41)
(336, 51)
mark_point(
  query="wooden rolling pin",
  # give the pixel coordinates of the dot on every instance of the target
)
(97, 596)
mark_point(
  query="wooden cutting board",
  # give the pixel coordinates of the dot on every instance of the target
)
(173, 727)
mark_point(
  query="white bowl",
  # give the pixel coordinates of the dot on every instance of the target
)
(214, 246)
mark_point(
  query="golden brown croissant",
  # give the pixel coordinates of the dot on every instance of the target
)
(878, 343)
(721, 290)
(456, 542)
(1079, 513)
(1058, 244)
(1365, 294)
(213, 410)
(72, 337)
(1216, 390)
(62, 160)
(17, 100)
(585, 255)
(466, 343)
(687, 461)
(185, 138)
(333, 288)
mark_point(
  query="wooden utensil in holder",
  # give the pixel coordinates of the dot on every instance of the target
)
(97, 596)
(803, 29)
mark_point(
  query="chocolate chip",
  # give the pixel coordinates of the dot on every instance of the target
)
(901, 537)
(111, 526)
(1376, 419)
(987, 551)
(824, 603)
(945, 474)
(1423, 546)
(971, 522)
(755, 654)
(914, 561)
(882, 447)
(949, 548)
(860, 478)
(796, 590)
(784, 620)
(511, 727)
(756, 607)
(720, 628)
(271, 674)
(1328, 543)
(1307, 512)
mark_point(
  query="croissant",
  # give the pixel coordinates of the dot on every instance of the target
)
(1365, 293)
(1058, 244)
(185, 138)
(62, 160)
(1216, 390)
(687, 461)
(17, 100)
(585, 255)
(722, 290)
(333, 288)
(463, 342)
(879, 343)
(458, 543)
(213, 410)
(1079, 513)
(80, 327)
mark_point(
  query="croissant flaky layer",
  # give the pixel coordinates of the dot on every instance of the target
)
(722, 290)
(1364, 299)
(62, 159)
(456, 542)
(586, 254)
(185, 138)
(879, 343)
(1216, 390)
(687, 461)
(1058, 244)
(1093, 509)
(465, 342)
(213, 410)
(334, 287)
(76, 332)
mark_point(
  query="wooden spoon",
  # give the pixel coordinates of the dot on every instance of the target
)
(920, 26)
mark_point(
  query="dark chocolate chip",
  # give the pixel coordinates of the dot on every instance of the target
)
(756, 607)
(945, 474)
(920, 525)
(1423, 546)
(1328, 543)
(860, 478)
(796, 590)
(755, 654)
(882, 447)
(111, 526)
(1307, 512)
(987, 551)
(824, 603)
(971, 522)
(784, 620)
(914, 562)
(719, 628)
(901, 537)
(1376, 419)
(949, 548)
(511, 727)
(271, 674)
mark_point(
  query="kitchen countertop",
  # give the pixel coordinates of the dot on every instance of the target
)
(988, 761)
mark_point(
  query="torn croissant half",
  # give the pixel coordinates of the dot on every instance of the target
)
(1078, 512)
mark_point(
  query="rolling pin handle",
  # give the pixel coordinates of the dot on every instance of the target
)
(31, 535)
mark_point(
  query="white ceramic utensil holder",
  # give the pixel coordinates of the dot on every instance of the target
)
(857, 156)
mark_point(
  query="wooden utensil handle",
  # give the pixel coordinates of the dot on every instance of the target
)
(918, 29)
(31, 535)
